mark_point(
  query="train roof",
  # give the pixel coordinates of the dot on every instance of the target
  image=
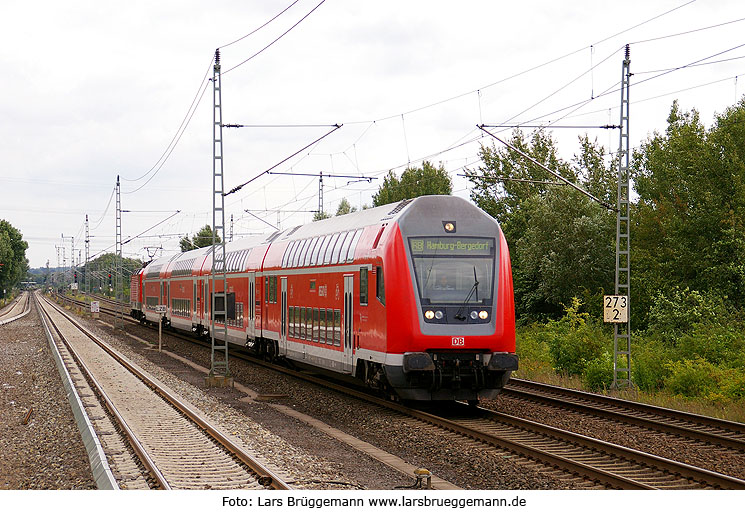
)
(351, 221)
(237, 251)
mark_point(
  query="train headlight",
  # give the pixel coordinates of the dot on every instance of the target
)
(483, 314)
(474, 315)
(429, 314)
(438, 315)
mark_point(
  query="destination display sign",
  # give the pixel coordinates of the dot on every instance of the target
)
(451, 246)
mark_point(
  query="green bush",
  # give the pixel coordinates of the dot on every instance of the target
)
(677, 311)
(574, 341)
(648, 359)
(714, 343)
(692, 378)
(598, 374)
(733, 383)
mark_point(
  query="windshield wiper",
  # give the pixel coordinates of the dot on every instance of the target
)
(474, 289)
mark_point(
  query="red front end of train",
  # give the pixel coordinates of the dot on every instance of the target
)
(413, 299)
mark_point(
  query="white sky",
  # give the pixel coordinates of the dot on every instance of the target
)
(99, 88)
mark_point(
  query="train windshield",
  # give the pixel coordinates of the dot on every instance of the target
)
(454, 270)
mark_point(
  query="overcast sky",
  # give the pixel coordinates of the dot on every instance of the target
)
(96, 89)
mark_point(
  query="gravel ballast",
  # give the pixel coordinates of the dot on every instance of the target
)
(47, 452)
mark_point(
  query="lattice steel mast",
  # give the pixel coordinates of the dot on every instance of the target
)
(87, 255)
(118, 291)
(219, 370)
(622, 331)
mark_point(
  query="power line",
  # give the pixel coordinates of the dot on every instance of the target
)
(275, 40)
(687, 32)
(336, 127)
(179, 132)
(260, 27)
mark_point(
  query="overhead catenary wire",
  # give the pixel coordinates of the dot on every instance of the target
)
(260, 26)
(181, 129)
(240, 186)
(439, 153)
(558, 176)
(275, 40)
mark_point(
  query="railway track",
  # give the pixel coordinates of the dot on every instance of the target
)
(19, 308)
(586, 461)
(177, 445)
(707, 430)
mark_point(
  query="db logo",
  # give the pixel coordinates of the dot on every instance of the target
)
(458, 341)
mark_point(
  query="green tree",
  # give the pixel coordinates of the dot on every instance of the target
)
(345, 208)
(321, 215)
(14, 264)
(203, 238)
(414, 182)
(561, 242)
(689, 220)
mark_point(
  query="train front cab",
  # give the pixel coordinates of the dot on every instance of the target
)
(458, 342)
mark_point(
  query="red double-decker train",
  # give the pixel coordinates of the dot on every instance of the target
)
(413, 299)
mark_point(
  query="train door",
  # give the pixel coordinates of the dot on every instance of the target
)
(348, 323)
(251, 326)
(195, 307)
(205, 303)
(283, 318)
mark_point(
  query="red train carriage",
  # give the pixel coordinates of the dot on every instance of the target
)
(414, 298)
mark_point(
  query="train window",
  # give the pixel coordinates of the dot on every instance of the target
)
(273, 289)
(302, 324)
(353, 246)
(291, 321)
(286, 254)
(297, 322)
(293, 251)
(329, 327)
(309, 251)
(363, 286)
(316, 328)
(338, 247)
(346, 246)
(308, 324)
(231, 306)
(296, 253)
(301, 253)
(330, 248)
(219, 306)
(322, 326)
(295, 248)
(317, 250)
(337, 327)
(379, 285)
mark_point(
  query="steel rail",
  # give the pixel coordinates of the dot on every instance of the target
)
(137, 446)
(609, 478)
(267, 477)
(550, 394)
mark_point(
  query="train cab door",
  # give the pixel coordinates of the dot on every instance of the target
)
(348, 322)
(283, 318)
(251, 325)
